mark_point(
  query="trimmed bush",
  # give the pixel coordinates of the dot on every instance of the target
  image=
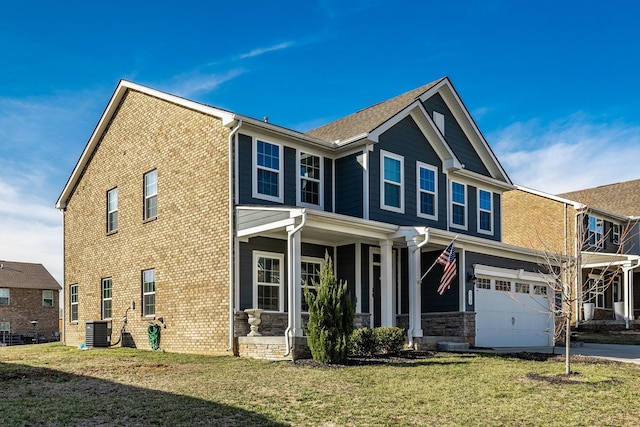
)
(389, 339)
(331, 313)
(362, 342)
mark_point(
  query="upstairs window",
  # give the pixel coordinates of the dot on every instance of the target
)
(107, 297)
(268, 281)
(47, 298)
(267, 182)
(73, 303)
(4, 296)
(458, 208)
(615, 234)
(149, 292)
(595, 232)
(485, 211)
(112, 210)
(151, 194)
(427, 184)
(310, 180)
(392, 182)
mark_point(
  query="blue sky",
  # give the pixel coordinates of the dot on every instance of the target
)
(553, 85)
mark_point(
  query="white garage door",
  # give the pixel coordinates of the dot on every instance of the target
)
(512, 313)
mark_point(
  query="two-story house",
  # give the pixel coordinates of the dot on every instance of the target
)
(602, 243)
(29, 308)
(190, 214)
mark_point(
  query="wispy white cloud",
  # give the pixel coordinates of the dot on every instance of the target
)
(197, 82)
(569, 154)
(263, 50)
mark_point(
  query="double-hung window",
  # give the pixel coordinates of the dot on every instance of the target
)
(485, 211)
(392, 182)
(615, 234)
(107, 295)
(151, 194)
(595, 232)
(458, 205)
(310, 180)
(149, 292)
(310, 268)
(73, 303)
(268, 281)
(47, 298)
(267, 177)
(4, 296)
(427, 185)
(112, 210)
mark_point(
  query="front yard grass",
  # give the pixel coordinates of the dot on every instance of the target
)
(56, 385)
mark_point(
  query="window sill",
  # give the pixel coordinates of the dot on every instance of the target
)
(149, 220)
(111, 233)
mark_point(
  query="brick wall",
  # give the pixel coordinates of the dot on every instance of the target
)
(24, 306)
(187, 244)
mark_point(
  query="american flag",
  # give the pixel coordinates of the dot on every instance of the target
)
(448, 259)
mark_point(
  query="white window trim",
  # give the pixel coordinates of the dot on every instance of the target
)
(154, 293)
(599, 237)
(8, 296)
(5, 327)
(420, 165)
(279, 256)
(103, 299)
(315, 261)
(490, 212)
(438, 119)
(615, 233)
(299, 179)
(52, 298)
(279, 171)
(399, 158)
(112, 211)
(71, 303)
(452, 203)
(146, 215)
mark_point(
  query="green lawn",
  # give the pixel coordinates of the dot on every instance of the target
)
(56, 385)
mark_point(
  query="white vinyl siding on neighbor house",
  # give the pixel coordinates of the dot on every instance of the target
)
(73, 303)
(107, 297)
(391, 182)
(309, 182)
(4, 296)
(310, 270)
(268, 182)
(427, 191)
(149, 292)
(458, 205)
(47, 298)
(595, 232)
(268, 281)
(150, 194)
(485, 211)
(112, 210)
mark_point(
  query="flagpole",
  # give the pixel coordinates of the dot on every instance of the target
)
(435, 262)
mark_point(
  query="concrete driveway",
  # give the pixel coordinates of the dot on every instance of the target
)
(617, 352)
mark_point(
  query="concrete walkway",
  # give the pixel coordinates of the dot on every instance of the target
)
(617, 352)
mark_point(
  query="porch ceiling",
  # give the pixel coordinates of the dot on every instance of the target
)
(604, 260)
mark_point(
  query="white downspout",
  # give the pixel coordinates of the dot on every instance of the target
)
(417, 283)
(232, 236)
(291, 300)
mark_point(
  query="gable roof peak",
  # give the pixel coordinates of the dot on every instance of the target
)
(363, 121)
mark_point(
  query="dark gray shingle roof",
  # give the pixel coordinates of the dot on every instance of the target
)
(26, 275)
(366, 120)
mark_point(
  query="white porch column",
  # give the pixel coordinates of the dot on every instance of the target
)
(295, 282)
(415, 291)
(627, 278)
(387, 317)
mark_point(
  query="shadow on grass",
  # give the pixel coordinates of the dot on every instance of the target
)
(404, 359)
(38, 396)
(573, 379)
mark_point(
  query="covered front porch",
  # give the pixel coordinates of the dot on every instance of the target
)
(278, 249)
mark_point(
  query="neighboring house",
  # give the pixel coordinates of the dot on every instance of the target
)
(193, 214)
(28, 303)
(604, 242)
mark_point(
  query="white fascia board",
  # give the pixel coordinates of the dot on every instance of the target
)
(260, 230)
(374, 135)
(480, 270)
(419, 115)
(468, 125)
(491, 182)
